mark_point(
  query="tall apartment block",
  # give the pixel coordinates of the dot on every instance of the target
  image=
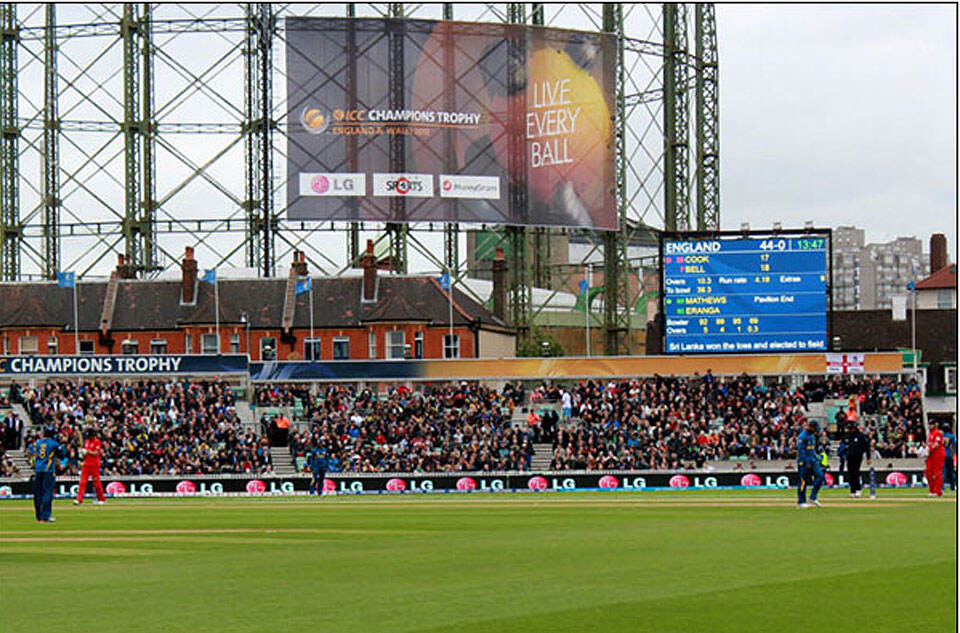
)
(868, 276)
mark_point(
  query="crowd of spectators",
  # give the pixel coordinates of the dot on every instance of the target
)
(149, 427)
(453, 428)
(181, 427)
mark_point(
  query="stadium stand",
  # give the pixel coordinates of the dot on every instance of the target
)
(149, 427)
(156, 427)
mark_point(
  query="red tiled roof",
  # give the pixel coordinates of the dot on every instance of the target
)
(946, 277)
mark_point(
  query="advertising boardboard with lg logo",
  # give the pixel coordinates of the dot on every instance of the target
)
(486, 110)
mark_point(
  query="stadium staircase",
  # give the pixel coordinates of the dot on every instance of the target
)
(542, 456)
(248, 420)
(19, 459)
(282, 464)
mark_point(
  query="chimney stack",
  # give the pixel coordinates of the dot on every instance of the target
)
(300, 264)
(938, 252)
(368, 262)
(500, 286)
(189, 268)
(124, 270)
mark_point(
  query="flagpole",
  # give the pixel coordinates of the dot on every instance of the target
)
(76, 323)
(313, 344)
(216, 306)
(586, 305)
(450, 297)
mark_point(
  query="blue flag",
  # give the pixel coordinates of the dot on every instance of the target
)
(303, 285)
(911, 286)
(210, 276)
(444, 281)
(583, 287)
(66, 280)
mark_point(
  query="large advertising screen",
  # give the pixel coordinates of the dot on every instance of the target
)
(745, 294)
(399, 120)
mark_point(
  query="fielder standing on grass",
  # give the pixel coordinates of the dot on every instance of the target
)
(935, 459)
(318, 467)
(92, 448)
(808, 466)
(44, 476)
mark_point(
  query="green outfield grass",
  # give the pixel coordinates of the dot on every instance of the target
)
(658, 562)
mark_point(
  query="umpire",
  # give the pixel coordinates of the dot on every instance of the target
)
(44, 477)
(857, 446)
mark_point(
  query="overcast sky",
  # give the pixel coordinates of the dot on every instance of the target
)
(841, 115)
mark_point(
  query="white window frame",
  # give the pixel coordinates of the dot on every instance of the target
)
(317, 349)
(188, 343)
(950, 378)
(53, 346)
(392, 346)
(451, 350)
(31, 349)
(273, 347)
(234, 343)
(87, 343)
(944, 299)
(208, 344)
(341, 339)
(158, 346)
(128, 343)
(372, 344)
(418, 345)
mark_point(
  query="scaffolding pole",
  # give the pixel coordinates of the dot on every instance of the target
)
(51, 148)
(708, 119)
(616, 304)
(11, 232)
(676, 119)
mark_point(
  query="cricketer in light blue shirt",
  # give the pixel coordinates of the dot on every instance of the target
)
(46, 451)
(808, 465)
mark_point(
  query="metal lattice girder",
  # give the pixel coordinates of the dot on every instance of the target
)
(451, 234)
(676, 119)
(51, 149)
(708, 120)
(520, 293)
(616, 313)
(130, 32)
(147, 263)
(398, 164)
(251, 139)
(258, 127)
(10, 229)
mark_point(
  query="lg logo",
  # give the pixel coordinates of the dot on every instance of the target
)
(320, 184)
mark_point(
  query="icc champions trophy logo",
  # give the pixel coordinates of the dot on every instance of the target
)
(314, 121)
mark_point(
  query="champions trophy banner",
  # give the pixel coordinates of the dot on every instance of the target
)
(133, 365)
(400, 120)
(352, 483)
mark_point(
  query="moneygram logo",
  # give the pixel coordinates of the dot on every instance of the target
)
(475, 187)
(404, 185)
(314, 121)
(331, 184)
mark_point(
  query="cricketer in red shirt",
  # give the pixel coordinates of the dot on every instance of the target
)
(91, 467)
(935, 461)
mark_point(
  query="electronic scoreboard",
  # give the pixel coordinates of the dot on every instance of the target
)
(745, 292)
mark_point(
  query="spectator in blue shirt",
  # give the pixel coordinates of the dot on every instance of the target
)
(45, 479)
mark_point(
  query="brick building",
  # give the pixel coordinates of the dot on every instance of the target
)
(367, 316)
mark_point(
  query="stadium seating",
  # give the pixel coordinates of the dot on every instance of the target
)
(177, 427)
(150, 427)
